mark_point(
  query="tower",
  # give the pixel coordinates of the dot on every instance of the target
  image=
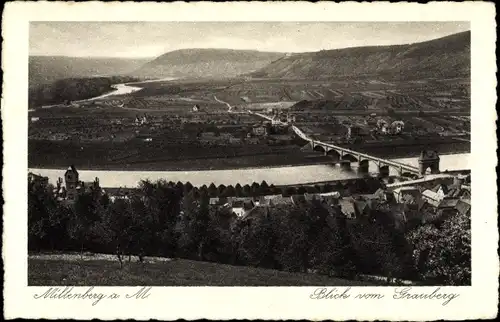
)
(71, 178)
(428, 159)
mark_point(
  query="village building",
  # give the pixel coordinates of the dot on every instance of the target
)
(74, 186)
(433, 198)
(408, 194)
(38, 179)
(259, 130)
(242, 206)
(347, 207)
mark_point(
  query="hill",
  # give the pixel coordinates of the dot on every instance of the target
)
(179, 272)
(187, 63)
(440, 58)
(47, 69)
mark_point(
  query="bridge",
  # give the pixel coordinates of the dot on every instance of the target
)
(346, 156)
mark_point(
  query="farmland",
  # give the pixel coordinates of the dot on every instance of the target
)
(185, 124)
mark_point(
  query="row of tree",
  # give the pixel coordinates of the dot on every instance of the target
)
(360, 186)
(161, 219)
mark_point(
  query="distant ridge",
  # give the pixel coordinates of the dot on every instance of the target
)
(198, 62)
(443, 57)
(47, 69)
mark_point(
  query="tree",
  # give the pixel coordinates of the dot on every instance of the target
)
(239, 190)
(265, 189)
(292, 239)
(311, 189)
(326, 188)
(246, 191)
(179, 186)
(443, 254)
(230, 191)
(212, 190)
(87, 211)
(255, 242)
(289, 191)
(220, 189)
(374, 244)
(47, 219)
(204, 190)
(256, 190)
(301, 190)
(188, 187)
(163, 203)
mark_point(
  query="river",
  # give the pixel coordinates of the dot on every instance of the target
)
(119, 89)
(272, 175)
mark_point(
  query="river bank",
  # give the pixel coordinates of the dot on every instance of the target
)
(52, 159)
(277, 175)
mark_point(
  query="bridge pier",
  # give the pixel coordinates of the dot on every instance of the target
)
(363, 166)
(383, 171)
(345, 164)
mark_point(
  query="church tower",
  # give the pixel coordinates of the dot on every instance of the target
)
(71, 178)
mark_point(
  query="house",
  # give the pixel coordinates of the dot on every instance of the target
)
(463, 207)
(334, 194)
(38, 179)
(119, 193)
(397, 127)
(252, 140)
(407, 194)
(259, 130)
(382, 195)
(196, 108)
(441, 189)
(234, 140)
(298, 200)
(266, 200)
(433, 198)
(347, 207)
(448, 204)
(280, 200)
(241, 206)
(35, 119)
(214, 201)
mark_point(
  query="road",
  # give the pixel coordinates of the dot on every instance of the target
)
(229, 107)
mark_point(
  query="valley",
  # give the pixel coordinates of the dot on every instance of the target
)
(181, 123)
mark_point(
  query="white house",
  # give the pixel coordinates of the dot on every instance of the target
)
(433, 198)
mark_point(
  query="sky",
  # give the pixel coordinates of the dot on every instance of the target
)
(151, 39)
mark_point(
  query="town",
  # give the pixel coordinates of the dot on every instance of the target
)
(231, 167)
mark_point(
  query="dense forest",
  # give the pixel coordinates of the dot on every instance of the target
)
(176, 220)
(72, 89)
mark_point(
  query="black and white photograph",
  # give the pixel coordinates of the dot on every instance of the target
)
(268, 154)
(249, 154)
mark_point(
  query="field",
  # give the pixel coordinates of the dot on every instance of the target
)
(158, 128)
(173, 273)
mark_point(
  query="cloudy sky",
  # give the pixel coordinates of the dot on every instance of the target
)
(150, 39)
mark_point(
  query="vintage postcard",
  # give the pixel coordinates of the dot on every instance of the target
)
(285, 160)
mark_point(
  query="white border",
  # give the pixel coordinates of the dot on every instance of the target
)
(478, 301)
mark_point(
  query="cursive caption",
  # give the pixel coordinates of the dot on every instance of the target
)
(89, 294)
(402, 293)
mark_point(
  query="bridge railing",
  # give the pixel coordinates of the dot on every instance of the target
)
(359, 154)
